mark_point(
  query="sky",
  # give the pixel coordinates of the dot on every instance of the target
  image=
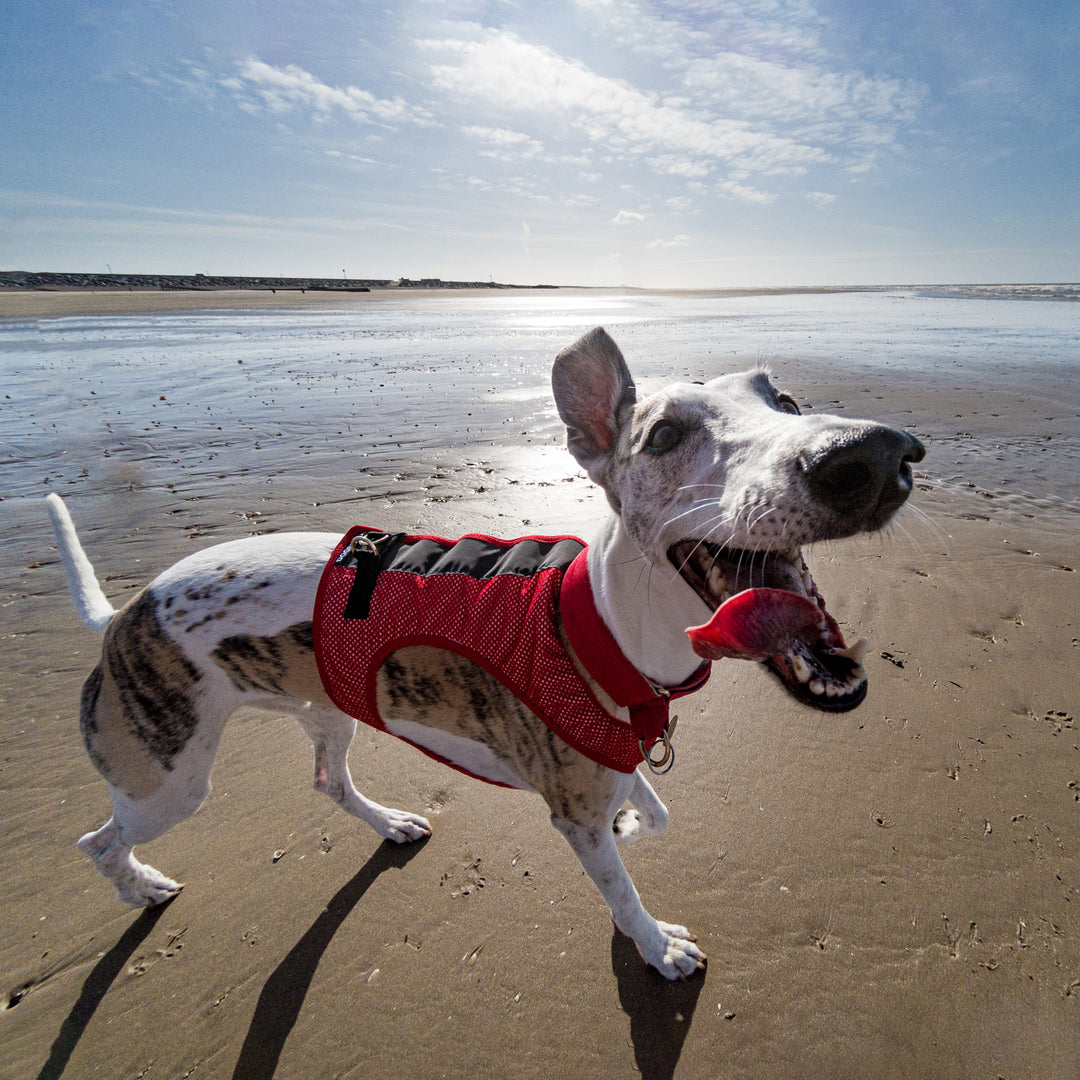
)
(702, 144)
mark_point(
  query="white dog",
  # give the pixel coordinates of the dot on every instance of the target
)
(714, 489)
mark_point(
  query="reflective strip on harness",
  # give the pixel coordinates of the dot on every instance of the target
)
(492, 601)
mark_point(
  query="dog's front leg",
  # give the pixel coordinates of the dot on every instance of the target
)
(331, 732)
(670, 949)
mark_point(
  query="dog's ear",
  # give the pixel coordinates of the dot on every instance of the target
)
(594, 393)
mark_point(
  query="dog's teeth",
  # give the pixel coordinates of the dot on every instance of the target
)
(855, 680)
(807, 580)
(717, 583)
(801, 669)
(816, 687)
(832, 689)
(856, 652)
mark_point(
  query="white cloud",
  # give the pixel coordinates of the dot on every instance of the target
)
(763, 63)
(732, 189)
(682, 240)
(787, 28)
(502, 72)
(627, 217)
(736, 99)
(845, 112)
(498, 136)
(359, 158)
(504, 144)
(258, 85)
(820, 199)
(677, 166)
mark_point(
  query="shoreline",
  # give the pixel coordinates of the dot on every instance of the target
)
(62, 301)
(20, 302)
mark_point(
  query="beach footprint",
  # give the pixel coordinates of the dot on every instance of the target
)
(1059, 720)
(139, 965)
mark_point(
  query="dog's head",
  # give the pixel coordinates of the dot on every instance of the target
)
(726, 481)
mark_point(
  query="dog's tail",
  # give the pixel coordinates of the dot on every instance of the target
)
(92, 604)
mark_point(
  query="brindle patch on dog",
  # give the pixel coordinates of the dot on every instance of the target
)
(139, 705)
(440, 689)
(281, 664)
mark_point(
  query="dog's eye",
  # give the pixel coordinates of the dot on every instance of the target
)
(664, 436)
(787, 404)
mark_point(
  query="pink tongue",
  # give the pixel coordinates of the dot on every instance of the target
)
(758, 623)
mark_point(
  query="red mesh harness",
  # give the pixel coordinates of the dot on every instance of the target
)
(498, 603)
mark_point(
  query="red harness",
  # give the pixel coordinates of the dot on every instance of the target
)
(498, 603)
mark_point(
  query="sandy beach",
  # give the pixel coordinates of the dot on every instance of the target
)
(889, 893)
(33, 304)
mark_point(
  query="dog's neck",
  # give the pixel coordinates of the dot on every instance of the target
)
(646, 608)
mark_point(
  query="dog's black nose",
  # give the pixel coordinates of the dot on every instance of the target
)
(864, 472)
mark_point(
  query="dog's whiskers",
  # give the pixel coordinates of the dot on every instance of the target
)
(701, 505)
(924, 519)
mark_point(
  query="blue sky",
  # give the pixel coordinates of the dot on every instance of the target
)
(710, 143)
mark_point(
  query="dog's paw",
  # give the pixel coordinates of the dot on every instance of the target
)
(631, 824)
(147, 887)
(626, 826)
(403, 827)
(679, 956)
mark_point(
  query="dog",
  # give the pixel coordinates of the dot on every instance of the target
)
(714, 490)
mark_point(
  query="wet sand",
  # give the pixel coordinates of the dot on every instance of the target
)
(893, 892)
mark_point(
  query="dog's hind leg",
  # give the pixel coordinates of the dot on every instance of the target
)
(138, 821)
(331, 733)
(647, 818)
(136, 883)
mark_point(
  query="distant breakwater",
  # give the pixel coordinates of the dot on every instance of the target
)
(19, 279)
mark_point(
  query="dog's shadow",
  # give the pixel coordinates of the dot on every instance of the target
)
(283, 995)
(660, 1011)
(94, 990)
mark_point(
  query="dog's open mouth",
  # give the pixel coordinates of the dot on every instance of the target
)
(766, 607)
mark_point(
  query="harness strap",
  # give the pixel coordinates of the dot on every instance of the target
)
(366, 551)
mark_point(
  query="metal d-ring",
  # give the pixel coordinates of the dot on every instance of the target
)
(659, 766)
(362, 544)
